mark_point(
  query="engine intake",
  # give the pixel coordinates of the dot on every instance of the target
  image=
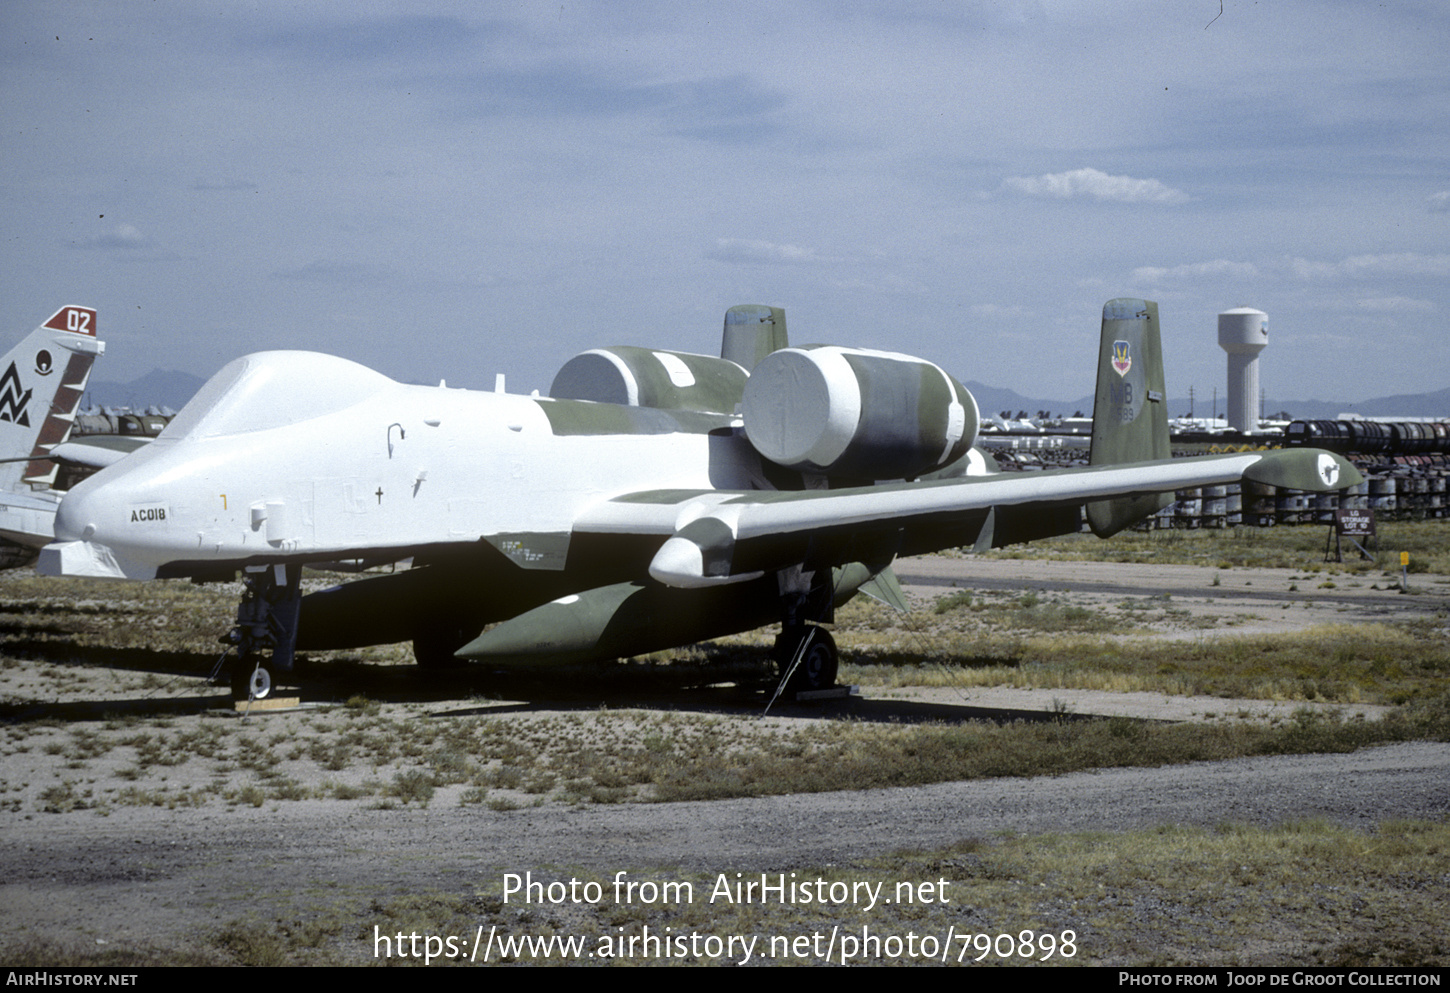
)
(646, 377)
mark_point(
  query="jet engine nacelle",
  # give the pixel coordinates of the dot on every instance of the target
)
(648, 377)
(857, 414)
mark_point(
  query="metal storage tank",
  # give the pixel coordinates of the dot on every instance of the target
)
(1188, 507)
(1382, 494)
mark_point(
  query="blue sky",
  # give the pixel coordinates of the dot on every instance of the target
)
(455, 190)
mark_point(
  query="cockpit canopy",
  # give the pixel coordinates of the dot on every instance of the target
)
(272, 389)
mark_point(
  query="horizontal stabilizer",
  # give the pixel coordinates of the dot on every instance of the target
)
(1304, 469)
(97, 451)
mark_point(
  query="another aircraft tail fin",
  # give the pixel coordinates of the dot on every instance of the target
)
(41, 382)
(751, 333)
(1130, 411)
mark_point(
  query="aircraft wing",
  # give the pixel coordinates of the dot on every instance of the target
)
(720, 537)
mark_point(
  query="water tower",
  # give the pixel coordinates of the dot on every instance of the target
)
(1243, 332)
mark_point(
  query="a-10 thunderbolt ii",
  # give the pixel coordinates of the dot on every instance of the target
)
(655, 499)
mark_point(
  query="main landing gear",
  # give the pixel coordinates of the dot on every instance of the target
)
(807, 657)
(265, 635)
(804, 650)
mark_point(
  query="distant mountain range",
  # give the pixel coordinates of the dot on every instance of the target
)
(172, 389)
(158, 388)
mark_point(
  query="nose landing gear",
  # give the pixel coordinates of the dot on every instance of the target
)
(251, 680)
(265, 635)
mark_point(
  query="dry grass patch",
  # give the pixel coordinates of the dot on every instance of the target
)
(848, 755)
(1288, 547)
(974, 639)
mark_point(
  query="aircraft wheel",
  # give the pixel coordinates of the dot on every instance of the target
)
(818, 667)
(250, 681)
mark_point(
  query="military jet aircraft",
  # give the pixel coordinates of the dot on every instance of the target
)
(41, 383)
(655, 499)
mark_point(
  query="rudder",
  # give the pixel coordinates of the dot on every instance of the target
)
(752, 332)
(41, 383)
(1130, 415)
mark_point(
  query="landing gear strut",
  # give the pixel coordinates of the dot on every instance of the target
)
(804, 650)
(265, 635)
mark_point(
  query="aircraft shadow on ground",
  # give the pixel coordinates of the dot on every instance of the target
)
(65, 652)
(728, 681)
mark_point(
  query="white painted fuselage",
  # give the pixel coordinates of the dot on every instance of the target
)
(306, 457)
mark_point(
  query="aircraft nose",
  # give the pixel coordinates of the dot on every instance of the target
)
(112, 525)
(75, 519)
(99, 508)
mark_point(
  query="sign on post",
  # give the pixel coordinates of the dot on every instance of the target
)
(1355, 526)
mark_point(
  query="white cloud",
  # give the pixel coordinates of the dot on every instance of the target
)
(331, 271)
(888, 283)
(751, 250)
(1440, 202)
(1095, 184)
(1395, 305)
(1364, 266)
(121, 236)
(1411, 264)
(1217, 268)
(995, 310)
(1312, 268)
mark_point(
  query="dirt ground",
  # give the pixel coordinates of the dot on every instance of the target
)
(1243, 601)
(160, 875)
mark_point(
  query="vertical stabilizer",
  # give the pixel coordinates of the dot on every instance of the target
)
(1130, 415)
(41, 382)
(751, 333)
